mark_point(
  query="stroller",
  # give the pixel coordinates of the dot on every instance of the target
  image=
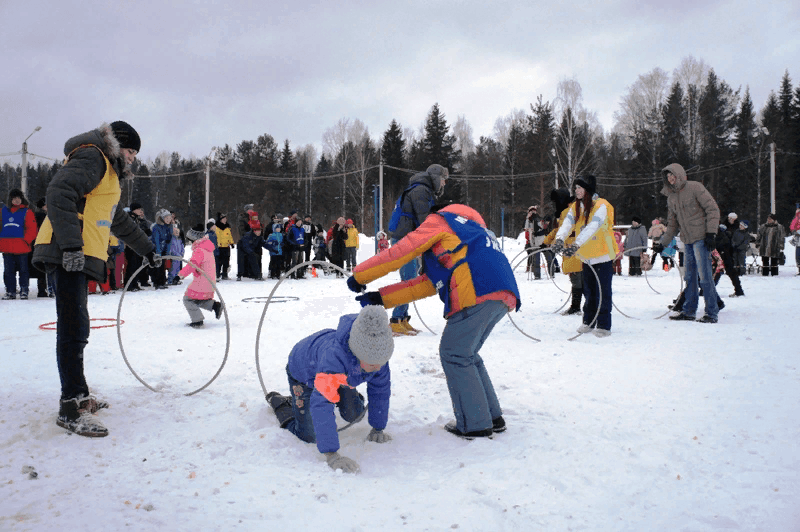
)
(754, 265)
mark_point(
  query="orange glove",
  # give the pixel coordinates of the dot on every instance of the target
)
(328, 385)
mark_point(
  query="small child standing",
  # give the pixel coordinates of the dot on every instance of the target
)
(275, 246)
(383, 242)
(200, 293)
(176, 249)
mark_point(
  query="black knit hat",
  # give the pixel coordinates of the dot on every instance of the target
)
(135, 206)
(588, 182)
(126, 135)
(636, 219)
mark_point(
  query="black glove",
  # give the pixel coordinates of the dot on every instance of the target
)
(570, 251)
(153, 259)
(709, 241)
(232, 246)
(558, 246)
(73, 261)
(354, 285)
(370, 298)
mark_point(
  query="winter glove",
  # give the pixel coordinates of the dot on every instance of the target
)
(337, 461)
(233, 246)
(378, 436)
(370, 298)
(153, 259)
(73, 261)
(571, 251)
(709, 241)
(557, 247)
(354, 285)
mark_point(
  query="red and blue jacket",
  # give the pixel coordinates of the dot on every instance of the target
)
(18, 231)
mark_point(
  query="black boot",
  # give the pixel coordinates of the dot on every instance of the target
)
(575, 307)
(282, 406)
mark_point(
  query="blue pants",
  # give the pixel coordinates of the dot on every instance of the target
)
(474, 400)
(698, 271)
(593, 296)
(72, 330)
(351, 405)
(407, 272)
(13, 263)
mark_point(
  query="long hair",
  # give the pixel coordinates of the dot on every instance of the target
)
(586, 203)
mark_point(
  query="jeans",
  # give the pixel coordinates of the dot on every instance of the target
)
(407, 272)
(351, 405)
(72, 330)
(475, 402)
(13, 263)
(698, 270)
(598, 295)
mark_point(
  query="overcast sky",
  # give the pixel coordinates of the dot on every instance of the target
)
(192, 75)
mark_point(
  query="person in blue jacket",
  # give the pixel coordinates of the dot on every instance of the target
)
(324, 370)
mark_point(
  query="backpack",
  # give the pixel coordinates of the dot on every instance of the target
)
(398, 212)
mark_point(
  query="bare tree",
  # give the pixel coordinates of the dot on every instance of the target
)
(335, 144)
(692, 75)
(306, 159)
(575, 131)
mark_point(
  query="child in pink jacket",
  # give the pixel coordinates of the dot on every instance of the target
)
(200, 293)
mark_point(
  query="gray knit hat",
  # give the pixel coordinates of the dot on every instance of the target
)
(371, 336)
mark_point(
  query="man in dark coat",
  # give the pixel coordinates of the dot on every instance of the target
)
(82, 201)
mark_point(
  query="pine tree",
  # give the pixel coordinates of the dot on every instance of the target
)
(674, 146)
(437, 145)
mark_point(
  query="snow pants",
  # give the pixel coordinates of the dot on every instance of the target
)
(193, 307)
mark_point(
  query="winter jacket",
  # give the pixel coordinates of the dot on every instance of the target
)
(212, 236)
(417, 202)
(795, 223)
(595, 240)
(176, 247)
(252, 243)
(655, 232)
(274, 243)
(310, 233)
(352, 238)
(296, 237)
(692, 209)
(162, 233)
(336, 242)
(202, 260)
(93, 162)
(437, 237)
(327, 353)
(770, 239)
(224, 235)
(740, 240)
(562, 199)
(636, 238)
(25, 228)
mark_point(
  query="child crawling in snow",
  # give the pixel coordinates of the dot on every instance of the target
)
(200, 293)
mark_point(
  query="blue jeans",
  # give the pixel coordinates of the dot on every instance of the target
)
(598, 295)
(698, 270)
(474, 400)
(407, 272)
(351, 405)
(72, 330)
(13, 263)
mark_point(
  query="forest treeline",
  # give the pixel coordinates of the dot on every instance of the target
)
(690, 116)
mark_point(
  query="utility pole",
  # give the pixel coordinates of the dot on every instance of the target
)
(772, 177)
(24, 182)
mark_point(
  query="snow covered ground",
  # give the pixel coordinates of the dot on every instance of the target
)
(670, 426)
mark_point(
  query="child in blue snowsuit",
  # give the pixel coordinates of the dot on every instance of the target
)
(275, 246)
(176, 248)
(324, 370)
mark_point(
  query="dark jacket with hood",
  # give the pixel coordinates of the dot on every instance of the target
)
(692, 209)
(66, 197)
(418, 201)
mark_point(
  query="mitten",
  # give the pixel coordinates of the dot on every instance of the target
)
(378, 436)
(337, 461)
(354, 285)
(571, 251)
(558, 246)
(370, 298)
(153, 259)
(73, 261)
(709, 241)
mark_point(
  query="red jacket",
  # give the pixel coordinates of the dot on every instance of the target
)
(20, 246)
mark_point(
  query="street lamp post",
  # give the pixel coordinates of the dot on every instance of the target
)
(24, 182)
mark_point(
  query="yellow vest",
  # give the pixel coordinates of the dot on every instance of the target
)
(602, 242)
(98, 211)
(568, 264)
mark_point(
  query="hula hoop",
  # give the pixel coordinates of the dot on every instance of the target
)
(421, 320)
(224, 310)
(276, 299)
(264, 313)
(46, 326)
(651, 288)
(600, 299)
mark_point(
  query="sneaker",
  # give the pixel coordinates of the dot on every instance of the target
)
(736, 295)
(602, 333)
(79, 419)
(570, 311)
(217, 308)
(451, 428)
(23, 295)
(707, 319)
(681, 317)
(498, 424)
(584, 328)
(196, 324)
(9, 296)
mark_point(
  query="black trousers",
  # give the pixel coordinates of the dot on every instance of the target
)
(72, 330)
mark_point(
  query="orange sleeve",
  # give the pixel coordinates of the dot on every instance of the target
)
(328, 385)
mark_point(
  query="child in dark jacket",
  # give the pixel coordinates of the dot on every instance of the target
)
(324, 370)
(251, 244)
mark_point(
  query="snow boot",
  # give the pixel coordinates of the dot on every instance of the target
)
(217, 308)
(575, 307)
(282, 407)
(499, 424)
(452, 429)
(76, 416)
(411, 330)
(398, 329)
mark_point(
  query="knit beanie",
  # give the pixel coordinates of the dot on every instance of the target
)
(371, 337)
(732, 216)
(126, 135)
(588, 183)
(196, 233)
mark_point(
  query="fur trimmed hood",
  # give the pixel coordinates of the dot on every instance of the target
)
(102, 137)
